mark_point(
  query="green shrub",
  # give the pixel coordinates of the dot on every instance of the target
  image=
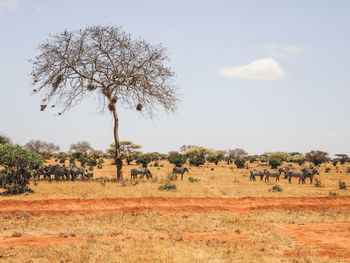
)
(91, 161)
(177, 159)
(192, 180)
(327, 170)
(167, 187)
(212, 169)
(239, 163)
(91, 168)
(276, 188)
(18, 165)
(63, 160)
(275, 162)
(161, 165)
(342, 185)
(335, 162)
(156, 164)
(144, 159)
(197, 161)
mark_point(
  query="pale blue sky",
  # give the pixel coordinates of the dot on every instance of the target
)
(303, 106)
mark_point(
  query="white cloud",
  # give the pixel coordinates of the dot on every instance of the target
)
(261, 69)
(8, 4)
(283, 50)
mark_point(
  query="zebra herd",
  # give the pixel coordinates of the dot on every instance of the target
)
(145, 171)
(61, 173)
(288, 174)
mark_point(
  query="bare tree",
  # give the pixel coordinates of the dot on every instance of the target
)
(107, 61)
(80, 147)
(41, 147)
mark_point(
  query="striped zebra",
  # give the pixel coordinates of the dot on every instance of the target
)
(310, 174)
(255, 172)
(273, 173)
(298, 174)
(180, 170)
(141, 170)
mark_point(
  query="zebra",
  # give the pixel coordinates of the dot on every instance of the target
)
(76, 171)
(180, 170)
(310, 174)
(273, 173)
(255, 172)
(298, 174)
(140, 170)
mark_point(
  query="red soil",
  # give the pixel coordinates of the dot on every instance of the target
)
(333, 239)
(72, 207)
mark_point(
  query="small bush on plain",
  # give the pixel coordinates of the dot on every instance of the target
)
(167, 187)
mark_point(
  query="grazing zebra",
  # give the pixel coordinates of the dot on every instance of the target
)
(255, 172)
(273, 173)
(310, 174)
(180, 170)
(298, 174)
(140, 170)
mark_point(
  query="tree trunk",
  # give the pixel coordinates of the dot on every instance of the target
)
(118, 159)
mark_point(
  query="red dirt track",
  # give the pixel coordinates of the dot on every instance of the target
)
(71, 207)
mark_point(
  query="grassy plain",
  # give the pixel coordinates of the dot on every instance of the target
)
(265, 234)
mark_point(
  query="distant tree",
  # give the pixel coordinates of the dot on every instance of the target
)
(234, 154)
(283, 156)
(185, 148)
(239, 163)
(44, 148)
(178, 159)
(297, 158)
(82, 146)
(107, 61)
(216, 157)
(275, 162)
(128, 151)
(317, 157)
(199, 152)
(4, 139)
(144, 159)
(343, 158)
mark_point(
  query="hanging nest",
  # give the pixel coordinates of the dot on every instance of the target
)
(60, 113)
(57, 81)
(53, 106)
(91, 87)
(43, 107)
(111, 106)
(139, 107)
(35, 90)
(43, 100)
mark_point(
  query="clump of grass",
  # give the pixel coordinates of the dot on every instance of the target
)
(348, 170)
(328, 169)
(276, 188)
(342, 185)
(167, 187)
(318, 183)
(161, 165)
(192, 180)
(172, 177)
(332, 193)
(212, 169)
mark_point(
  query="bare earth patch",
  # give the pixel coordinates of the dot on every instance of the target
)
(333, 239)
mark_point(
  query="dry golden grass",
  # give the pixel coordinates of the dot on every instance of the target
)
(223, 181)
(160, 235)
